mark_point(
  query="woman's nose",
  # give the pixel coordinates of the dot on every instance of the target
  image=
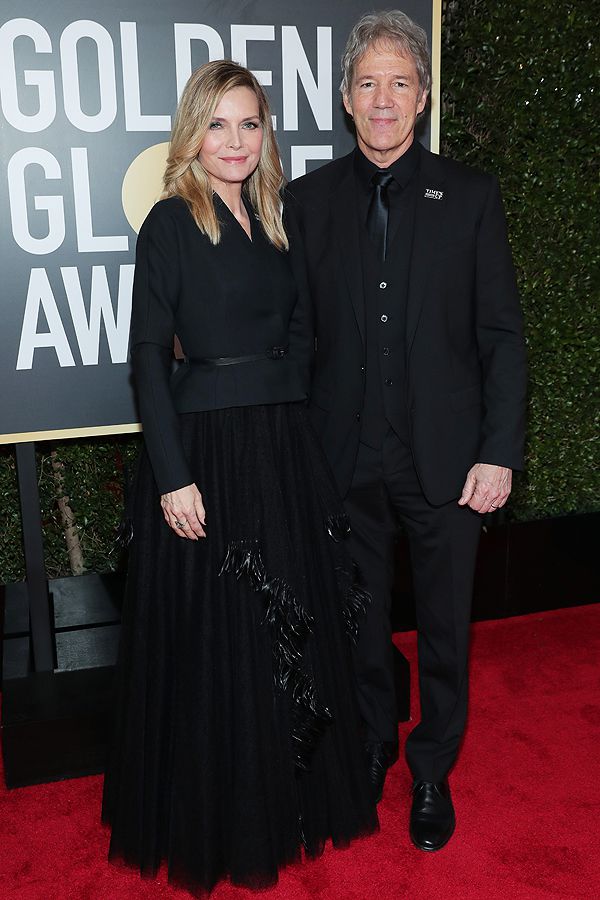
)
(234, 139)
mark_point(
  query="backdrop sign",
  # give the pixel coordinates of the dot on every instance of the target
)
(87, 94)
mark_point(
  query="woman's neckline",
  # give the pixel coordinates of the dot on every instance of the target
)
(250, 212)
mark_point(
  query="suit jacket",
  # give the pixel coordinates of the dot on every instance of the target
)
(465, 352)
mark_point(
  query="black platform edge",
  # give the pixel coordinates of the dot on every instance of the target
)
(55, 725)
(522, 568)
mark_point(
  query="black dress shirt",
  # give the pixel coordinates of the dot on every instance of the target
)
(385, 285)
(402, 170)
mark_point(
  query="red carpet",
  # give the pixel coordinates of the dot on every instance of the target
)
(526, 791)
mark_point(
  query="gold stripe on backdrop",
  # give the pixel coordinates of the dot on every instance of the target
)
(63, 433)
(436, 74)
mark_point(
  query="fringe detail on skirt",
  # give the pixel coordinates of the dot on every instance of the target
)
(124, 533)
(290, 626)
(356, 598)
(358, 601)
(338, 527)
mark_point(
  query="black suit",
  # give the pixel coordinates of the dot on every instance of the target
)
(463, 392)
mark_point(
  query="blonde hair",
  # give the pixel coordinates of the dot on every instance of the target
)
(185, 177)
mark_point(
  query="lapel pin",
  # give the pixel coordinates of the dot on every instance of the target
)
(431, 194)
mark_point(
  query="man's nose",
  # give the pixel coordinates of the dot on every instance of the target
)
(383, 97)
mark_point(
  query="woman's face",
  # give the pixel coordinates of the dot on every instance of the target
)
(231, 148)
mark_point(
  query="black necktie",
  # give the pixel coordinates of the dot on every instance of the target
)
(379, 210)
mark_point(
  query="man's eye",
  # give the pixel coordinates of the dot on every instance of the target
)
(400, 84)
(366, 84)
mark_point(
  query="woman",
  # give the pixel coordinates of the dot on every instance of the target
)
(236, 741)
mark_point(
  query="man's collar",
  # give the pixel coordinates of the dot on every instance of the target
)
(402, 169)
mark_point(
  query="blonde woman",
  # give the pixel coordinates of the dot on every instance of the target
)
(236, 742)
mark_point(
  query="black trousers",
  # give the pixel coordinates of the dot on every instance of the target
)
(443, 546)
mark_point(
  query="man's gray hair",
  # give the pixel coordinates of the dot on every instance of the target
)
(392, 27)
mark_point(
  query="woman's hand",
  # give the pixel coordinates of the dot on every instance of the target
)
(184, 512)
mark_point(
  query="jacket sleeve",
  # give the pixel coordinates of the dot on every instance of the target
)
(155, 295)
(500, 341)
(301, 329)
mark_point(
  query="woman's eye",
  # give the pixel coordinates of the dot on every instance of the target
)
(214, 125)
(251, 125)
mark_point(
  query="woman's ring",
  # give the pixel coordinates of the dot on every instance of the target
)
(180, 524)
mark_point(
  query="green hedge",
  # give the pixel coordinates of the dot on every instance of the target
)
(518, 80)
(518, 83)
(95, 472)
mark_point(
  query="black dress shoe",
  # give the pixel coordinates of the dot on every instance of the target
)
(380, 756)
(432, 818)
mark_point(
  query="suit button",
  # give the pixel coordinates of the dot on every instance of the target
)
(383, 285)
(386, 351)
(358, 417)
(389, 382)
(384, 318)
(362, 368)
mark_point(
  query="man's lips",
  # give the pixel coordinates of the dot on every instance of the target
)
(381, 120)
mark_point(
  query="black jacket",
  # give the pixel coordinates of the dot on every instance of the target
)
(235, 299)
(466, 366)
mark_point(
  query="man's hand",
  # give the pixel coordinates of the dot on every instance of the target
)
(487, 487)
(184, 512)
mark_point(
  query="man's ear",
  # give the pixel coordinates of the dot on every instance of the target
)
(422, 103)
(347, 104)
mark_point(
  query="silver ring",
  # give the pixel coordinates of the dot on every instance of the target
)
(180, 524)
(494, 507)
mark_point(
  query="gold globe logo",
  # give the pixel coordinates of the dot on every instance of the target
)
(143, 183)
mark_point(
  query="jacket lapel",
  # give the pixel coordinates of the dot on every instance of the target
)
(345, 228)
(430, 212)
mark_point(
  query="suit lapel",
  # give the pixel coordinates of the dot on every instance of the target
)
(430, 212)
(345, 228)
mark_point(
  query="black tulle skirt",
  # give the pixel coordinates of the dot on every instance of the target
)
(237, 742)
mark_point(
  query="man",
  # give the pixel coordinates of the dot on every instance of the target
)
(418, 386)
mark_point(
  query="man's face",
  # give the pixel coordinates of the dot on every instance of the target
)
(385, 99)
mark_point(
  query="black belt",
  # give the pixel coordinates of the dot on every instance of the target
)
(270, 353)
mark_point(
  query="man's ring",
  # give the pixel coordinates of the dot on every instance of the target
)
(493, 506)
(180, 524)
